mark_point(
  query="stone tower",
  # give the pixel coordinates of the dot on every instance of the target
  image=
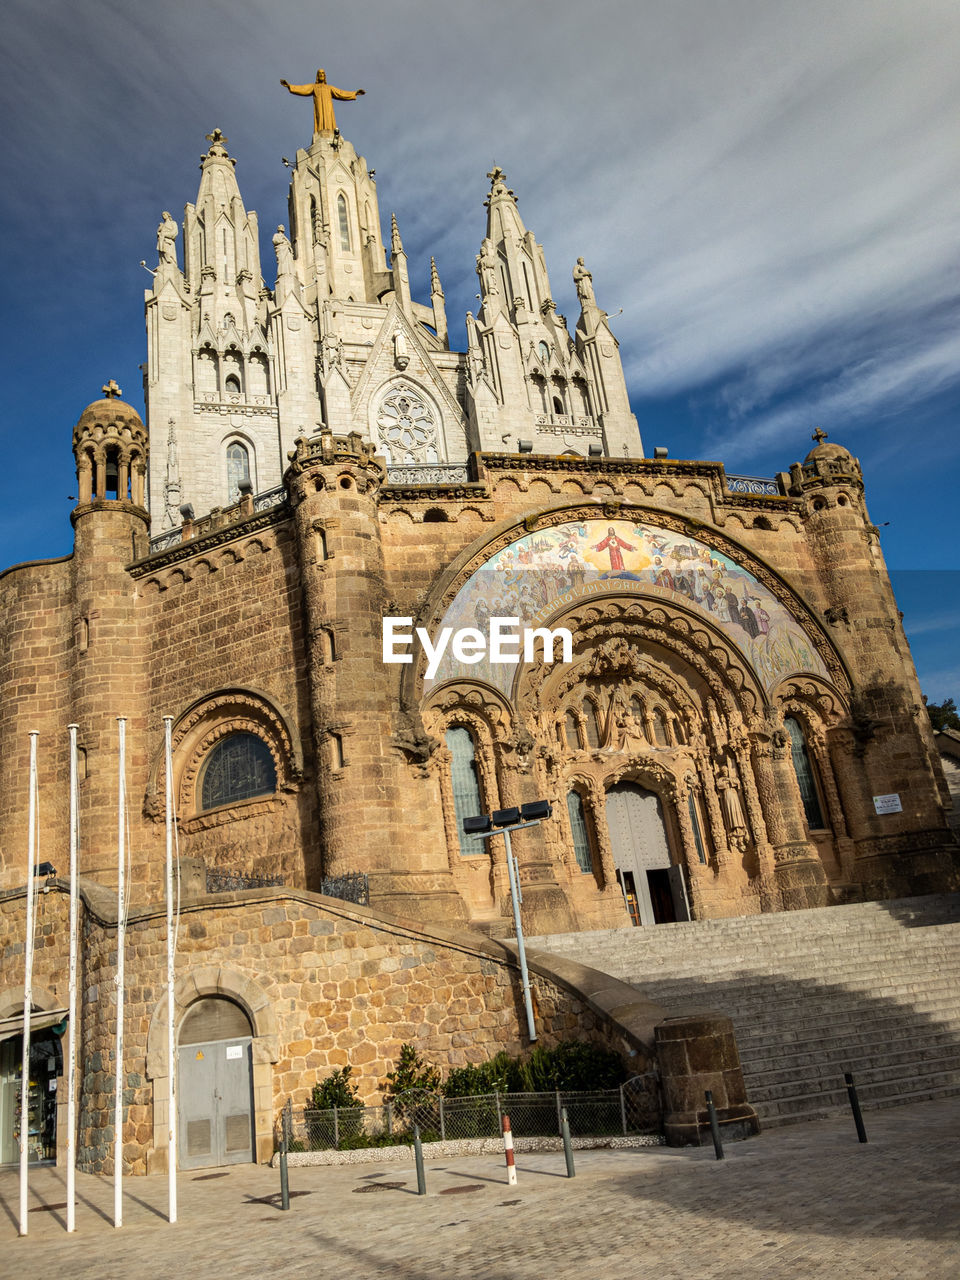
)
(237, 372)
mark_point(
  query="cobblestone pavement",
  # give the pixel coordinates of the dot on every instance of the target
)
(796, 1203)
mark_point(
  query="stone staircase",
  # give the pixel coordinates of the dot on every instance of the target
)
(871, 988)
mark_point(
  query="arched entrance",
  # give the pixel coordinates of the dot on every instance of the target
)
(215, 1085)
(653, 887)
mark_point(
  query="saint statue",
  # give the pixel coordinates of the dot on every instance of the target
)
(487, 264)
(166, 240)
(323, 94)
(283, 251)
(583, 279)
(729, 787)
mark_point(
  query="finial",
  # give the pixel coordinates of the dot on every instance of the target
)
(435, 286)
(496, 175)
(396, 244)
(111, 391)
(217, 137)
(819, 435)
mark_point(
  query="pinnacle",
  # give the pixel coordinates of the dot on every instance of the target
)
(396, 244)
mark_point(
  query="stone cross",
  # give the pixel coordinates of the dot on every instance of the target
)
(819, 435)
(111, 391)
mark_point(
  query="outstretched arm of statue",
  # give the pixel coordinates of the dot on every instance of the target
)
(303, 89)
(346, 95)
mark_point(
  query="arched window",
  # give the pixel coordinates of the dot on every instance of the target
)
(257, 382)
(571, 731)
(582, 844)
(207, 371)
(344, 222)
(806, 778)
(558, 406)
(112, 474)
(543, 351)
(659, 728)
(467, 800)
(592, 719)
(238, 469)
(239, 767)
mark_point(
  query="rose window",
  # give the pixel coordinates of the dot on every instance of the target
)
(407, 428)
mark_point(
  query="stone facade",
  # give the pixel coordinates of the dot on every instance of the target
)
(737, 728)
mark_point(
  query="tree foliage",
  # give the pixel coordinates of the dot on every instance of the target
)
(337, 1090)
(943, 715)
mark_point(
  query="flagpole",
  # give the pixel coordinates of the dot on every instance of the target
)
(72, 999)
(28, 979)
(121, 941)
(171, 942)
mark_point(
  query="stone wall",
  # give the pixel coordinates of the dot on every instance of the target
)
(324, 985)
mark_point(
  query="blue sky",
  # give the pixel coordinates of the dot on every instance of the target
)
(767, 190)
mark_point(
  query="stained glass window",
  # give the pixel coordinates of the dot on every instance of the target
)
(238, 767)
(578, 827)
(592, 719)
(467, 801)
(344, 223)
(803, 768)
(571, 731)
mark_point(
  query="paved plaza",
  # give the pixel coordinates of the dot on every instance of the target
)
(802, 1202)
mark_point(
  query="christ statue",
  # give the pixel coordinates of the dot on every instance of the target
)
(323, 94)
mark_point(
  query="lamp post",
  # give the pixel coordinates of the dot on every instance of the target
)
(502, 822)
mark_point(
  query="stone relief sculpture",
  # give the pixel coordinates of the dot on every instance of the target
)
(487, 268)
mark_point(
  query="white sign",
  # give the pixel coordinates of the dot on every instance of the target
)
(234, 1051)
(888, 804)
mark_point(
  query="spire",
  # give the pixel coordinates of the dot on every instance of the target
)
(439, 306)
(398, 265)
(221, 242)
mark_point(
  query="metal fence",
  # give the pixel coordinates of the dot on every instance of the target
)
(634, 1108)
(352, 886)
(220, 880)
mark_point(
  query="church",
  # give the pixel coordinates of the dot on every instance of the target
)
(735, 727)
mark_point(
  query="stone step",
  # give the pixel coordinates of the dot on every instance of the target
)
(835, 1101)
(803, 1113)
(912, 1060)
(867, 1072)
(829, 1046)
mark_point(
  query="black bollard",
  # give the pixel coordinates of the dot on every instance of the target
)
(714, 1125)
(284, 1147)
(418, 1156)
(567, 1144)
(855, 1106)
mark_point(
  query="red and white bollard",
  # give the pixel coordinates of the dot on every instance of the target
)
(508, 1152)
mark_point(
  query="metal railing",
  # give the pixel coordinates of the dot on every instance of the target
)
(353, 886)
(753, 484)
(634, 1108)
(443, 473)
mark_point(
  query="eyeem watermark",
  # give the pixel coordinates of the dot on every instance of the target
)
(506, 642)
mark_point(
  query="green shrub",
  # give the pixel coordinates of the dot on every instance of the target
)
(572, 1065)
(412, 1073)
(337, 1090)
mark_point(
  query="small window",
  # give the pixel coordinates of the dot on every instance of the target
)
(238, 468)
(543, 351)
(806, 779)
(571, 731)
(238, 768)
(580, 831)
(659, 728)
(467, 800)
(232, 384)
(344, 222)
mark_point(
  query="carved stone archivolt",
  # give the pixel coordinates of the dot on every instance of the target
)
(197, 732)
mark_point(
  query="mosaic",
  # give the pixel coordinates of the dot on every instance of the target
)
(547, 571)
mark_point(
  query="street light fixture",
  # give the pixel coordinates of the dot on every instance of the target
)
(501, 822)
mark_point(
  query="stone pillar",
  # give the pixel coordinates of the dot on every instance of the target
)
(695, 1053)
(799, 872)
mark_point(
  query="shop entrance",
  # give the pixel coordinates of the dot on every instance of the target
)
(652, 885)
(46, 1068)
